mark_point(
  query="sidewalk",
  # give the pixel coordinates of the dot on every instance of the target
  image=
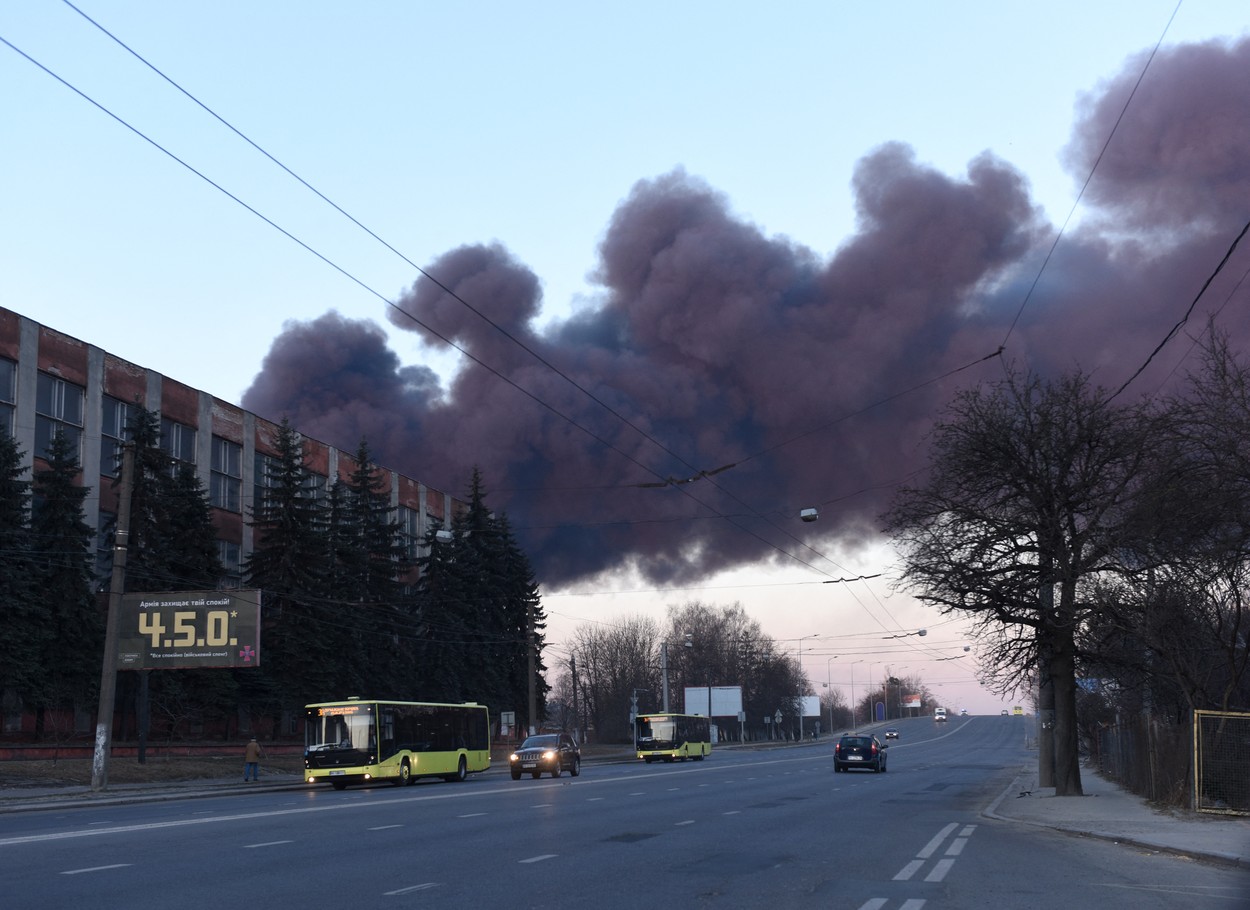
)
(1109, 812)
(1105, 811)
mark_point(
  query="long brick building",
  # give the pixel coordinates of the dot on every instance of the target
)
(51, 381)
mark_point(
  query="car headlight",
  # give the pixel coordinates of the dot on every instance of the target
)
(548, 755)
(514, 757)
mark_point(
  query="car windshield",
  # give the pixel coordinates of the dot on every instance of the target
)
(541, 742)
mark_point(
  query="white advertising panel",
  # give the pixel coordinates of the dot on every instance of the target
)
(726, 700)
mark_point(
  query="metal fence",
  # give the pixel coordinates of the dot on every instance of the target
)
(1222, 762)
(1149, 757)
(1204, 765)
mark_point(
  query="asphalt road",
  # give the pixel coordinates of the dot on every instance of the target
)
(741, 830)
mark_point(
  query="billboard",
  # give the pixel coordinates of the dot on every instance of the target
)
(175, 630)
(726, 701)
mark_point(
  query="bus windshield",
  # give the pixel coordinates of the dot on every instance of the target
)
(656, 731)
(340, 727)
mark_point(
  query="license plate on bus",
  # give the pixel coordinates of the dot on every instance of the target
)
(337, 773)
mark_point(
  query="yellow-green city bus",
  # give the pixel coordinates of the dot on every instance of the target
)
(672, 737)
(359, 741)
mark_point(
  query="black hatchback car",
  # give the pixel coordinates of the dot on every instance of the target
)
(859, 750)
(550, 752)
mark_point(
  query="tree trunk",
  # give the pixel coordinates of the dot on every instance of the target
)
(1045, 686)
(1045, 719)
(1067, 739)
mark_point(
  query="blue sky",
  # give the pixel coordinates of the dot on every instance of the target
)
(438, 125)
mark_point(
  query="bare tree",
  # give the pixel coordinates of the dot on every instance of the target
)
(723, 646)
(614, 660)
(1029, 482)
(1173, 633)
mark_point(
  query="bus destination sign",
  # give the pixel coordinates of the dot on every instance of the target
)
(174, 630)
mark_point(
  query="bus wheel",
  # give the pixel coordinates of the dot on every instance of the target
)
(405, 774)
(647, 759)
(699, 757)
(462, 772)
(339, 784)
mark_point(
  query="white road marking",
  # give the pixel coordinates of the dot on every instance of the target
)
(940, 868)
(957, 846)
(95, 869)
(426, 886)
(689, 821)
(909, 870)
(471, 815)
(931, 847)
(538, 859)
(271, 843)
(384, 827)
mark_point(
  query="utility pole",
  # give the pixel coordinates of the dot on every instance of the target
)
(108, 673)
(664, 671)
(576, 716)
(530, 647)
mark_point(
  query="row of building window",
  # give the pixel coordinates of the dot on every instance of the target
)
(59, 407)
(8, 394)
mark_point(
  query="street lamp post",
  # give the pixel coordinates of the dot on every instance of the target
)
(853, 713)
(829, 686)
(800, 660)
(872, 708)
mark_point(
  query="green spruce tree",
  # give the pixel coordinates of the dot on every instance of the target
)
(63, 569)
(25, 631)
(289, 562)
(371, 559)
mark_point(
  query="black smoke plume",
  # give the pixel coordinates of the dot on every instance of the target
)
(713, 344)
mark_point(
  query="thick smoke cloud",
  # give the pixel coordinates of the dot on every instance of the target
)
(713, 344)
